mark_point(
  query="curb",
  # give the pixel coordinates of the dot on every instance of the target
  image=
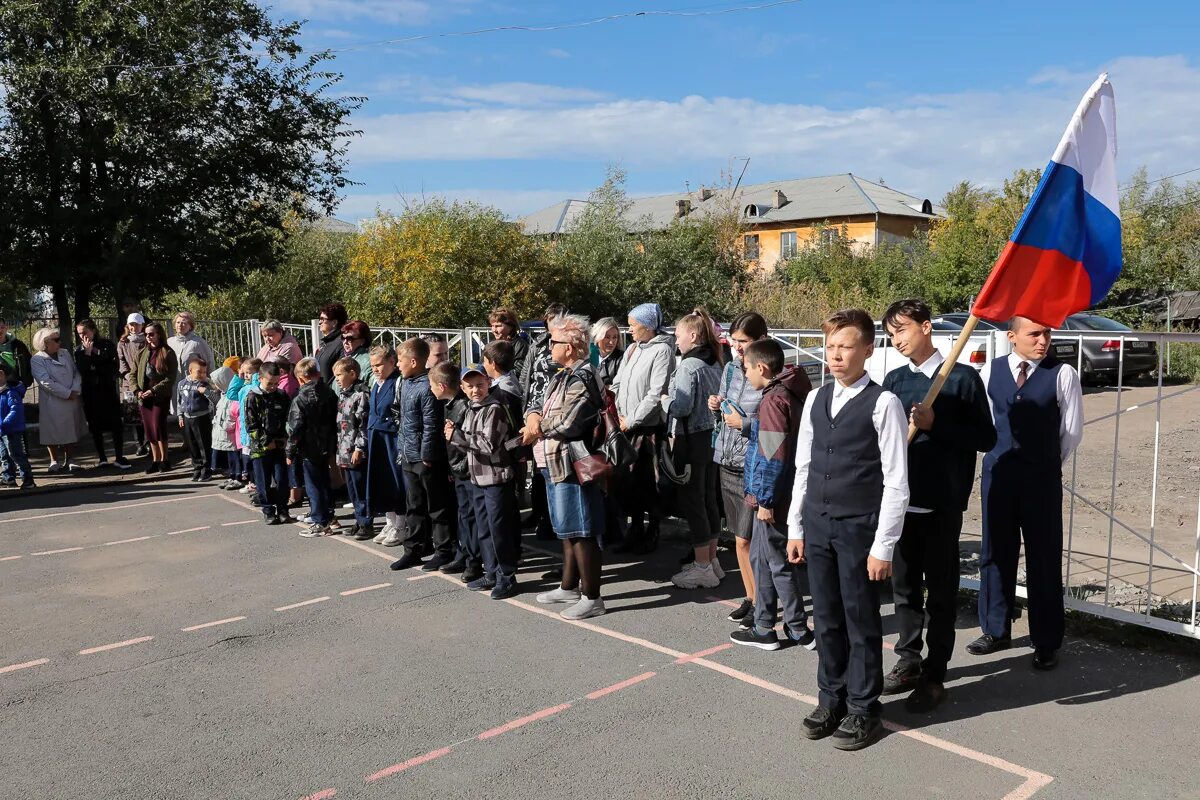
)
(99, 483)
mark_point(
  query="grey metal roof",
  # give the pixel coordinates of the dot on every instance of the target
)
(806, 199)
(334, 225)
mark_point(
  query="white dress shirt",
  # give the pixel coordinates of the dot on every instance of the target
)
(928, 369)
(891, 428)
(1068, 391)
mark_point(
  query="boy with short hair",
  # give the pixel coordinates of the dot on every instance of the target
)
(265, 416)
(12, 429)
(239, 390)
(352, 441)
(482, 436)
(847, 511)
(445, 383)
(769, 475)
(422, 458)
(194, 400)
(310, 429)
(385, 483)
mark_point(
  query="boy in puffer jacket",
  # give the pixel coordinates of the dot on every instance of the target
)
(770, 473)
(264, 416)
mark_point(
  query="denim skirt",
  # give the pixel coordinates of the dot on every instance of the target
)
(576, 511)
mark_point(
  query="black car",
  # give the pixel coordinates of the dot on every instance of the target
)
(1102, 357)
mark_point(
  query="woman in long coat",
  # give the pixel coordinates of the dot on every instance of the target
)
(60, 410)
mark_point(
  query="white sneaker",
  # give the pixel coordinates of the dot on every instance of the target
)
(394, 538)
(245, 489)
(307, 519)
(559, 595)
(585, 608)
(716, 568)
(695, 577)
(347, 505)
(383, 534)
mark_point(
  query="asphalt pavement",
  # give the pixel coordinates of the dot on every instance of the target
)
(159, 641)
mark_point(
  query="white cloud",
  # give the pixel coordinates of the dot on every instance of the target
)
(514, 203)
(440, 92)
(557, 52)
(397, 12)
(923, 143)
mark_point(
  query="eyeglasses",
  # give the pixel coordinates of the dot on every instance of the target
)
(558, 341)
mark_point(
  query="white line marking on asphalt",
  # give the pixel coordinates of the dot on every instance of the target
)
(242, 522)
(305, 603)
(55, 552)
(188, 530)
(127, 541)
(26, 665)
(349, 592)
(120, 507)
(9, 558)
(212, 624)
(114, 645)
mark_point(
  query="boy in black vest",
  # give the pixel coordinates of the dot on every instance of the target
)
(845, 518)
(1037, 406)
(941, 474)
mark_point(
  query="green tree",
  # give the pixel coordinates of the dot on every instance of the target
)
(147, 146)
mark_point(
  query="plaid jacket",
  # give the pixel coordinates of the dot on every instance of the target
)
(482, 436)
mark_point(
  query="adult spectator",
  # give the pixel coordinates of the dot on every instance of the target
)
(568, 419)
(507, 328)
(539, 367)
(641, 381)
(99, 374)
(155, 378)
(14, 353)
(439, 349)
(278, 344)
(356, 344)
(60, 411)
(129, 347)
(330, 320)
(607, 336)
(186, 344)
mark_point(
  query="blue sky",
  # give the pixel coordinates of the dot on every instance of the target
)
(920, 94)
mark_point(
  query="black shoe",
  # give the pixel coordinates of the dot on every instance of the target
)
(9, 482)
(455, 567)
(143, 449)
(926, 697)
(482, 584)
(857, 732)
(153, 468)
(410, 559)
(123, 464)
(28, 484)
(806, 638)
(821, 722)
(164, 466)
(1045, 659)
(902, 678)
(747, 621)
(362, 533)
(750, 637)
(205, 475)
(196, 476)
(505, 589)
(272, 520)
(741, 612)
(254, 501)
(473, 572)
(437, 562)
(286, 518)
(988, 644)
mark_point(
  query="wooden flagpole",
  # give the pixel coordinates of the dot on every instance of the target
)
(940, 379)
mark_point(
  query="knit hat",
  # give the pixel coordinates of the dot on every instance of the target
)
(648, 314)
(233, 362)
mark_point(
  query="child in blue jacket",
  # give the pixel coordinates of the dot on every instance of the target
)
(12, 430)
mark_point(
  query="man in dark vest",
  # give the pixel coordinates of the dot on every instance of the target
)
(1037, 405)
(941, 475)
(845, 517)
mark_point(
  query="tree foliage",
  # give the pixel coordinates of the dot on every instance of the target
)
(148, 146)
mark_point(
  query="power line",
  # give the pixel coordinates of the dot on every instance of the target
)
(1166, 177)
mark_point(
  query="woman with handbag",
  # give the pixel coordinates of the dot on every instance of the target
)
(565, 454)
(154, 379)
(690, 424)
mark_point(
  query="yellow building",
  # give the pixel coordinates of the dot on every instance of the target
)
(778, 218)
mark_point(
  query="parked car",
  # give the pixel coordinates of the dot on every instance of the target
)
(1065, 350)
(1102, 357)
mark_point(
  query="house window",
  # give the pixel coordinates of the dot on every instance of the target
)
(829, 236)
(787, 244)
(750, 247)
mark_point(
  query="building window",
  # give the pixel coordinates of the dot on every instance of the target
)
(787, 244)
(829, 237)
(750, 247)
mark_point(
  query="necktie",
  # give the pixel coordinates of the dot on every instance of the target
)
(1023, 375)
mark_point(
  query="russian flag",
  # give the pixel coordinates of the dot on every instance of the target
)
(1065, 253)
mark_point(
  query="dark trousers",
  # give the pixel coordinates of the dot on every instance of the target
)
(356, 488)
(1020, 504)
(776, 580)
(224, 460)
(638, 489)
(697, 499)
(537, 500)
(427, 497)
(13, 457)
(926, 558)
(316, 484)
(104, 416)
(468, 534)
(385, 484)
(497, 528)
(846, 611)
(197, 432)
(271, 480)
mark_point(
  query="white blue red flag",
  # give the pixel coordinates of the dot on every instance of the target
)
(1065, 253)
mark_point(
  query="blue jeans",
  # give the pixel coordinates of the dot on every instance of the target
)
(498, 528)
(356, 487)
(270, 469)
(12, 453)
(316, 483)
